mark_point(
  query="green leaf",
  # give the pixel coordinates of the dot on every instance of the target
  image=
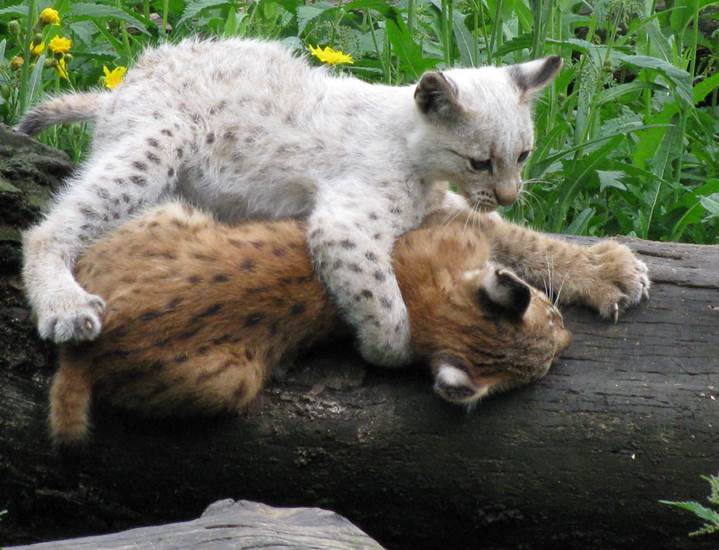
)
(691, 203)
(81, 10)
(195, 7)
(18, 10)
(579, 224)
(464, 40)
(409, 52)
(305, 14)
(610, 178)
(695, 508)
(615, 92)
(711, 205)
(705, 87)
(230, 23)
(679, 77)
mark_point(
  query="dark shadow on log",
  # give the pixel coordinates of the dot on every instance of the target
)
(628, 416)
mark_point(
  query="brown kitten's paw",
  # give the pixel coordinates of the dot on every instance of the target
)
(621, 279)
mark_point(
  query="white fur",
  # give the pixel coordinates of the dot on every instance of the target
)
(245, 129)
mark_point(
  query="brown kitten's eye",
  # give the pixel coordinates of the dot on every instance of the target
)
(481, 165)
(523, 156)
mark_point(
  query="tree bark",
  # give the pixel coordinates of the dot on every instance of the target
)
(628, 416)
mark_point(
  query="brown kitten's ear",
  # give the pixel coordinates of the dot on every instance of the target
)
(503, 294)
(453, 384)
(436, 95)
(533, 76)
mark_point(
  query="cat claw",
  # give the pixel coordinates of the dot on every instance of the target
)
(616, 313)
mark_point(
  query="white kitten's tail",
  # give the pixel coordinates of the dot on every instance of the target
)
(64, 108)
(70, 395)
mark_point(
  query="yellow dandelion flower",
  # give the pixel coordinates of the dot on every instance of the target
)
(330, 56)
(114, 77)
(37, 49)
(50, 16)
(61, 68)
(60, 44)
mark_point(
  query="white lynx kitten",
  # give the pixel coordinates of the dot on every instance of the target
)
(247, 130)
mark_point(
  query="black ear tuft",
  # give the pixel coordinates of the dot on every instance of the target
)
(436, 94)
(505, 295)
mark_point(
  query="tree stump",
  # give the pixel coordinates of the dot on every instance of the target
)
(628, 416)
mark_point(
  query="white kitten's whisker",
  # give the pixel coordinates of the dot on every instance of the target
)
(559, 292)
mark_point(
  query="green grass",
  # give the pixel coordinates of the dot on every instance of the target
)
(627, 137)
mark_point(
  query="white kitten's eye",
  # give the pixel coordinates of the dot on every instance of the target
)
(481, 165)
(523, 156)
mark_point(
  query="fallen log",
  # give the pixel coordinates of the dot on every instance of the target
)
(628, 416)
(241, 525)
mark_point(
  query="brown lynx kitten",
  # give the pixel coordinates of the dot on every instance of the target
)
(199, 313)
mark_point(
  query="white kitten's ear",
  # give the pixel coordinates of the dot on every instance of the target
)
(437, 95)
(533, 76)
(502, 294)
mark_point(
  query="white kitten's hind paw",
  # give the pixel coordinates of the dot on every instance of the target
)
(622, 279)
(72, 317)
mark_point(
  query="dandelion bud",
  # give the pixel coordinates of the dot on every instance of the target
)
(37, 38)
(16, 62)
(14, 27)
(50, 63)
(68, 57)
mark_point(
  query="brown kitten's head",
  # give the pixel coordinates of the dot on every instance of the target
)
(482, 328)
(509, 333)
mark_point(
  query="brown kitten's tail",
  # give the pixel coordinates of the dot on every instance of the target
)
(64, 108)
(70, 402)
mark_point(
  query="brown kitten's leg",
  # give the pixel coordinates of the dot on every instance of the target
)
(227, 379)
(606, 276)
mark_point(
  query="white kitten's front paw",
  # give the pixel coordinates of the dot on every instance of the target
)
(385, 345)
(71, 316)
(621, 279)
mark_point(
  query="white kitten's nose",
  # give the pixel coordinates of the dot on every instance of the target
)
(506, 194)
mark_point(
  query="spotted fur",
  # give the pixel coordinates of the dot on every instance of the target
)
(200, 313)
(245, 129)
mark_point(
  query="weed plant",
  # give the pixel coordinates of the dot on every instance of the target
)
(627, 137)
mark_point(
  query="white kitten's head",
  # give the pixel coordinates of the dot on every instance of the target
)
(477, 129)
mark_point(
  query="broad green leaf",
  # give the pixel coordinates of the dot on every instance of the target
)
(19, 10)
(464, 40)
(679, 77)
(81, 10)
(580, 222)
(610, 178)
(616, 92)
(35, 83)
(705, 87)
(695, 508)
(691, 203)
(230, 23)
(408, 51)
(711, 205)
(195, 7)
